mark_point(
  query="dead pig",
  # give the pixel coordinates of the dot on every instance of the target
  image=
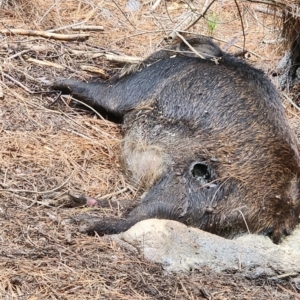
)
(209, 143)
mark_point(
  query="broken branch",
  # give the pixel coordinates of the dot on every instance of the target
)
(88, 28)
(49, 35)
(95, 70)
(110, 56)
(44, 63)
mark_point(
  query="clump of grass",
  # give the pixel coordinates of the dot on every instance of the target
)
(212, 23)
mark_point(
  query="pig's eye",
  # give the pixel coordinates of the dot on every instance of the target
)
(200, 171)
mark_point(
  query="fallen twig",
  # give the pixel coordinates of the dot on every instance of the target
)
(282, 276)
(110, 56)
(92, 109)
(123, 13)
(112, 194)
(93, 69)
(280, 4)
(45, 34)
(155, 5)
(88, 28)
(123, 58)
(18, 54)
(189, 45)
(1, 93)
(269, 11)
(44, 63)
(65, 27)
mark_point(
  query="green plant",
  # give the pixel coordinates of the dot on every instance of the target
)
(212, 22)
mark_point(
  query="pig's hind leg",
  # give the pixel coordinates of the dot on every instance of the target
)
(90, 93)
(123, 206)
(91, 224)
(102, 226)
(156, 204)
(115, 98)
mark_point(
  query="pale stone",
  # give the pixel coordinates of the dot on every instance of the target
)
(181, 248)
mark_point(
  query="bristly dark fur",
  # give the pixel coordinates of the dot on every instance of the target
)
(210, 143)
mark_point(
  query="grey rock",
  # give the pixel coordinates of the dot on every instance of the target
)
(181, 248)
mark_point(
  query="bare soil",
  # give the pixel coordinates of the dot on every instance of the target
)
(51, 146)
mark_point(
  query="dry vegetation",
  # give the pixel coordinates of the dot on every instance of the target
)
(50, 146)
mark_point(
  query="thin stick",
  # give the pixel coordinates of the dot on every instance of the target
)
(122, 59)
(1, 93)
(291, 101)
(89, 108)
(66, 27)
(44, 63)
(93, 69)
(155, 5)
(47, 12)
(117, 5)
(242, 23)
(270, 2)
(87, 28)
(268, 11)
(286, 275)
(112, 194)
(19, 53)
(189, 45)
(45, 34)
(109, 56)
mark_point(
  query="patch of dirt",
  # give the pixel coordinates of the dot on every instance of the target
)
(51, 145)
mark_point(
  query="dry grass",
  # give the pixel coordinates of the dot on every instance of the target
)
(49, 148)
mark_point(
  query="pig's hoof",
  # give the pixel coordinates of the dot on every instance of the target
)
(51, 81)
(75, 200)
(83, 200)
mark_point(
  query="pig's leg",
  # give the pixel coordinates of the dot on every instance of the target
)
(156, 204)
(140, 90)
(116, 98)
(158, 210)
(93, 93)
(124, 206)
